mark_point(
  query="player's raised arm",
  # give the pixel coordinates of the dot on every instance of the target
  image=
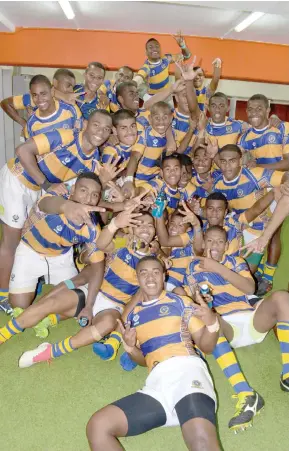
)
(182, 44)
(217, 64)
(8, 107)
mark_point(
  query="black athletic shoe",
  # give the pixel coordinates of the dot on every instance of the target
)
(284, 384)
(247, 407)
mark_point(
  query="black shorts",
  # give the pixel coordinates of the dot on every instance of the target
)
(81, 301)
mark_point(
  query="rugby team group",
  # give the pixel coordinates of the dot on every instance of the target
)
(156, 217)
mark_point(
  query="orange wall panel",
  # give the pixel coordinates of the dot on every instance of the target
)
(242, 60)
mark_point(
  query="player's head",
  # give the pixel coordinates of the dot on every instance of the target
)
(201, 162)
(200, 77)
(258, 110)
(153, 49)
(171, 169)
(41, 92)
(98, 127)
(186, 171)
(216, 242)
(64, 80)
(218, 107)
(216, 208)
(94, 76)
(160, 117)
(151, 277)
(182, 101)
(124, 127)
(230, 161)
(127, 95)
(146, 229)
(176, 226)
(124, 74)
(87, 189)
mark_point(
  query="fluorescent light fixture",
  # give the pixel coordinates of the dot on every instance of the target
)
(67, 9)
(248, 21)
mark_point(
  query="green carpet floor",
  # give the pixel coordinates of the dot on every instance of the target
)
(46, 408)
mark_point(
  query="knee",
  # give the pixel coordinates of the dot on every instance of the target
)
(96, 429)
(201, 441)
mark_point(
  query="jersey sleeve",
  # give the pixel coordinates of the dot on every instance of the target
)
(242, 268)
(172, 58)
(286, 139)
(144, 71)
(187, 237)
(140, 145)
(108, 152)
(189, 191)
(46, 142)
(105, 87)
(267, 178)
(23, 101)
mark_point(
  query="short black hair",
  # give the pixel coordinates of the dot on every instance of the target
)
(89, 176)
(95, 64)
(122, 86)
(63, 73)
(121, 115)
(127, 67)
(101, 111)
(162, 105)
(39, 79)
(231, 148)
(260, 97)
(151, 40)
(185, 160)
(219, 228)
(220, 95)
(217, 196)
(173, 156)
(150, 258)
(147, 213)
(198, 67)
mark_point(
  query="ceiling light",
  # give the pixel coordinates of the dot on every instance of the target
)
(67, 9)
(248, 21)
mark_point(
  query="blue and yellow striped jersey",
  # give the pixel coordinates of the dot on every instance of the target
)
(266, 146)
(164, 327)
(226, 298)
(247, 188)
(60, 158)
(181, 125)
(120, 280)
(66, 116)
(142, 121)
(198, 183)
(156, 74)
(86, 107)
(234, 225)
(52, 235)
(188, 191)
(181, 258)
(203, 95)
(172, 194)
(119, 150)
(227, 133)
(151, 146)
(24, 101)
(108, 88)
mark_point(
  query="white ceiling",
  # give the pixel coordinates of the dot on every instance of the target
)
(203, 18)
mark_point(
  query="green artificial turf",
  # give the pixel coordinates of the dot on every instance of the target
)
(46, 407)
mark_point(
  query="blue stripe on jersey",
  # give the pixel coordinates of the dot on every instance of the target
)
(26, 99)
(233, 125)
(158, 86)
(121, 284)
(149, 162)
(69, 121)
(45, 243)
(266, 160)
(158, 342)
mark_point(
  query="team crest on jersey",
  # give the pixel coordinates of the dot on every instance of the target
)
(80, 171)
(164, 310)
(58, 229)
(197, 384)
(15, 218)
(240, 193)
(153, 72)
(135, 320)
(174, 123)
(229, 129)
(65, 161)
(128, 258)
(66, 126)
(75, 240)
(155, 142)
(163, 66)
(271, 139)
(12, 277)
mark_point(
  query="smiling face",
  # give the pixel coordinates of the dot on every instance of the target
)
(153, 50)
(186, 175)
(126, 131)
(129, 99)
(258, 113)
(160, 119)
(230, 164)
(171, 171)
(215, 212)
(216, 243)
(42, 97)
(64, 84)
(151, 277)
(98, 129)
(146, 229)
(123, 74)
(199, 79)
(176, 227)
(201, 162)
(218, 108)
(182, 101)
(94, 77)
(86, 191)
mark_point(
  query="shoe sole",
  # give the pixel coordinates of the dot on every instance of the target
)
(284, 387)
(26, 360)
(243, 427)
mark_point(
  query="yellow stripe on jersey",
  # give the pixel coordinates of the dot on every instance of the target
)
(65, 117)
(108, 88)
(156, 74)
(150, 145)
(60, 158)
(181, 125)
(203, 95)
(172, 194)
(227, 133)
(266, 146)
(23, 101)
(53, 235)
(164, 327)
(119, 150)
(247, 188)
(180, 258)
(226, 298)
(142, 120)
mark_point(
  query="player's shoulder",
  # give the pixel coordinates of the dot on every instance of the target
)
(78, 87)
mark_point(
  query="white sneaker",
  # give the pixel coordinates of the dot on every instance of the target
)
(40, 354)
